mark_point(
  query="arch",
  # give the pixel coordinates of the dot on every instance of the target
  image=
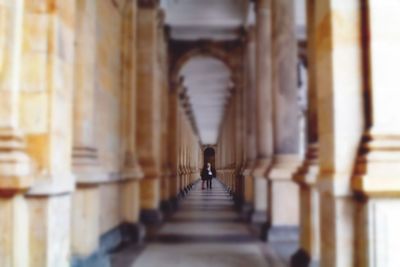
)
(208, 83)
(209, 152)
(205, 50)
(209, 155)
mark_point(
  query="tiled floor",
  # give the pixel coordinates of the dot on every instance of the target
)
(206, 231)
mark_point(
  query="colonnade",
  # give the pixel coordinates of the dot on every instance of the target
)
(94, 140)
(342, 196)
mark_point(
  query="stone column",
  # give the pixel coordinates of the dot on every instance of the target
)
(15, 167)
(181, 144)
(233, 146)
(166, 167)
(307, 175)
(284, 193)
(173, 142)
(339, 81)
(250, 122)
(84, 154)
(239, 128)
(149, 108)
(378, 165)
(180, 148)
(46, 117)
(263, 105)
(85, 201)
(131, 171)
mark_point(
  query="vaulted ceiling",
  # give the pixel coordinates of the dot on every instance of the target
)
(208, 80)
(205, 19)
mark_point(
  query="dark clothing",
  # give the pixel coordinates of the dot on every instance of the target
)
(207, 175)
(209, 183)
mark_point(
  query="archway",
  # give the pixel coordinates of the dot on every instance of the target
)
(208, 83)
(209, 156)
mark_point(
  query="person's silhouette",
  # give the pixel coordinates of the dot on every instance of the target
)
(207, 174)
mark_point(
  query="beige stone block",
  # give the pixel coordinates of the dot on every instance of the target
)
(284, 203)
(33, 113)
(150, 195)
(49, 231)
(7, 107)
(378, 220)
(66, 11)
(337, 231)
(38, 148)
(36, 30)
(14, 250)
(130, 201)
(66, 41)
(310, 221)
(249, 189)
(34, 72)
(39, 6)
(384, 56)
(260, 194)
(110, 212)
(85, 220)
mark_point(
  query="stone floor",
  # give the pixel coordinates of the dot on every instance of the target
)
(206, 231)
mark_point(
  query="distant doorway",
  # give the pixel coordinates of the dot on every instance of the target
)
(209, 156)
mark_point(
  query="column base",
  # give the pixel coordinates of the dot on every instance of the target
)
(182, 193)
(175, 203)
(133, 232)
(166, 206)
(245, 211)
(258, 217)
(259, 224)
(260, 230)
(238, 202)
(126, 233)
(302, 259)
(283, 234)
(95, 260)
(151, 216)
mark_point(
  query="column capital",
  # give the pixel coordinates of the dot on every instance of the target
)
(148, 3)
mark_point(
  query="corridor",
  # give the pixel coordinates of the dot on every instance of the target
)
(205, 231)
(111, 111)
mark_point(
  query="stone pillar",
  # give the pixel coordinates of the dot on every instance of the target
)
(233, 147)
(339, 81)
(163, 69)
(85, 202)
(149, 108)
(46, 117)
(284, 193)
(263, 105)
(239, 129)
(181, 146)
(377, 172)
(173, 142)
(307, 175)
(180, 150)
(131, 171)
(250, 148)
(15, 167)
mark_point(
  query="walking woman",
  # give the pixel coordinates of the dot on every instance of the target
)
(207, 173)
